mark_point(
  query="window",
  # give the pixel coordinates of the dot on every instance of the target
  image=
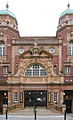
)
(67, 69)
(2, 49)
(70, 49)
(15, 97)
(36, 70)
(55, 97)
(5, 70)
(52, 50)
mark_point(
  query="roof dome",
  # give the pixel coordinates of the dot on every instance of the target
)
(7, 12)
(68, 11)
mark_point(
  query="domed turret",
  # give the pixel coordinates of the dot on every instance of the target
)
(7, 12)
(66, 12)
(66, 18)
(8, 19)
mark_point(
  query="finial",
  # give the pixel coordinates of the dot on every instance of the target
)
(7, 6)
(68, 5)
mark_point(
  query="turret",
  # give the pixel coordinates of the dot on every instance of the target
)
(66, 19)
(8, 19)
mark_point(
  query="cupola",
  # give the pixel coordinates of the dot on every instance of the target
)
(66, 18)
(8, 19)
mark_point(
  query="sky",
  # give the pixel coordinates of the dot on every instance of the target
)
(37, 17)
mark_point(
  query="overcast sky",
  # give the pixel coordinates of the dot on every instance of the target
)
(37, 17)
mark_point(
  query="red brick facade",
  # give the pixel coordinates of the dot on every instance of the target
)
(48, 53)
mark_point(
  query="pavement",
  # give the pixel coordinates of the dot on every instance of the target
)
(41, 114)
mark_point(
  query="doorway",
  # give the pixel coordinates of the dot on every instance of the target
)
(35, 98)
(3, 100)
(68, 100)
(68, 103)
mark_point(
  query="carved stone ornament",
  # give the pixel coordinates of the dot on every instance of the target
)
(38, 56)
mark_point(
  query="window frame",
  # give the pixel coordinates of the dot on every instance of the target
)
(67, 69)
(70, 49)
(2, 49)
(55, 97)
(36, 70)
(5, 69)
(15, 97)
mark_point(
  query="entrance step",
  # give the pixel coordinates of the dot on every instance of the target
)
(30, 112)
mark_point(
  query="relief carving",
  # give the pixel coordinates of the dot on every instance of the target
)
(26, 62)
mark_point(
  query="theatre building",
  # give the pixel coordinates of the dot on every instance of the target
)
(36, 71)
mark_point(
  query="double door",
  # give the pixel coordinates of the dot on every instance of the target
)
(35, 98)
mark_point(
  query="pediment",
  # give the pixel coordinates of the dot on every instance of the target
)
(36, 52)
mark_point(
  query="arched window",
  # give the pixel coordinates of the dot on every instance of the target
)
(2, 49)
(36, 70)
(70, 49)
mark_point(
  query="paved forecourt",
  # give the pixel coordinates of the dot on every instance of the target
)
(42, 114)
(12, 117)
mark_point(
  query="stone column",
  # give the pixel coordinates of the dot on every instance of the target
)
(60, 55)
(9, 98)
(61, 97)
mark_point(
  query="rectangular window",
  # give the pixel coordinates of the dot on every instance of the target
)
(15, 97)
(69, 50)
(5, 70)
(67, 69)
(2, 50)
(55, 97)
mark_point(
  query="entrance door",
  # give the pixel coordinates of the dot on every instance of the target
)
(68, 103)
(3, 100)
(35, 98)
(68, 97)
(1, 103)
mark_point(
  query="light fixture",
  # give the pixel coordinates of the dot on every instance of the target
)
(5, 94)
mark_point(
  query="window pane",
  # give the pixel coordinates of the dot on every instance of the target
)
(70, 49)
(36, 70)
(2, 50)
(29, 73)
(67, 69)
(55, 97)
(42, 72)
(5, 70)
(15, 97)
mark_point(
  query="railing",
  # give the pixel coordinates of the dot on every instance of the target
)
(56, 107)
(11, 107)
(14, 107)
